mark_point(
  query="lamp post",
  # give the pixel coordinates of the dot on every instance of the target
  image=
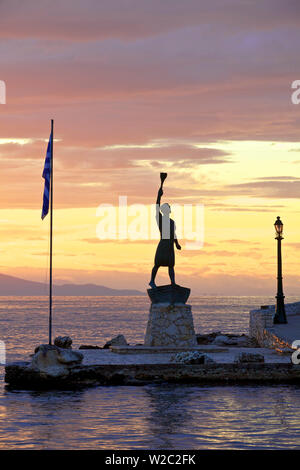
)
(280, 316)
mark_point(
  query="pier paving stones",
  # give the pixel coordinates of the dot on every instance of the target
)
(100, 356)
(290, 331)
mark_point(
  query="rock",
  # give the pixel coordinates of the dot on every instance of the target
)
(232, 342)
(221, 339)
(244, 341)
(54, 361)
(227, 340)
(88, 346)
(207, 338)
(249, 357)
(116, 341)
(191, 357)
(64, 342)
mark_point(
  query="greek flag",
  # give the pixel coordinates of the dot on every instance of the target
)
(46, 176)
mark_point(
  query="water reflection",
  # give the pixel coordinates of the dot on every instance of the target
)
(224, 417)
(152, 417)
(35, 419)
(169, 412)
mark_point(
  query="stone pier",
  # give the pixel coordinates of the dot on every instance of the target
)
(276, 336)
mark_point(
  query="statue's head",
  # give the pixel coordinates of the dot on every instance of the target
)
(165, 209)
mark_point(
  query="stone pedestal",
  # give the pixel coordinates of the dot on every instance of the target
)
(170, 325)
(170, 294)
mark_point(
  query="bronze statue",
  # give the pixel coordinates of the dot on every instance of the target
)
(165, 251)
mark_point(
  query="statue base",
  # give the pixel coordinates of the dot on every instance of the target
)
(170, 325)
(169, 294)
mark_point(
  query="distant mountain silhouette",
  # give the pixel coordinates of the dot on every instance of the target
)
(10, 285)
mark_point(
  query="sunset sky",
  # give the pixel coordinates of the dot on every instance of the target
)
(201, 90)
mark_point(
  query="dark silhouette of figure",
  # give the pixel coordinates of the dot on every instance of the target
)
(165, 251)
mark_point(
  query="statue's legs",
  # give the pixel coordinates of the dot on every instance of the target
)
(154, 272)
(153, 275)
(172, 275)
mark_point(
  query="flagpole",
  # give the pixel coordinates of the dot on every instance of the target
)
(51, 235)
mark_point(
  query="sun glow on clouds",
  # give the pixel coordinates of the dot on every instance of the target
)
(149, 145)
(156, 143)
(230, 214)
(16, 141)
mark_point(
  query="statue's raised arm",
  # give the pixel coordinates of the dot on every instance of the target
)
(158, 199)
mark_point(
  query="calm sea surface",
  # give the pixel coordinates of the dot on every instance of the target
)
(148, 417)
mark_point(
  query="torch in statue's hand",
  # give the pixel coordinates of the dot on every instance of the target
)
(162, 178)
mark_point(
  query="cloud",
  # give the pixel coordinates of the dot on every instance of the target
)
(77, 21)
(281, 187)
(88, 176)
(240, 242)
(153, 152)
(154, 82)
(223, 207)
(93, 20)
(114, 242)
(45, 253)
(222, 253)
(295, 245)
(19, 232)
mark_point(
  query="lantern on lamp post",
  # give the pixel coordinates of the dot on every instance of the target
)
(280, 316)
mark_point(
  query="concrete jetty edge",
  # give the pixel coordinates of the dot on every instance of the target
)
(19, 375)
